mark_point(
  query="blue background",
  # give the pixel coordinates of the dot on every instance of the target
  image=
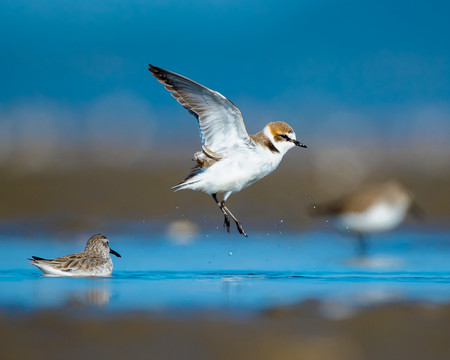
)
(76, 72)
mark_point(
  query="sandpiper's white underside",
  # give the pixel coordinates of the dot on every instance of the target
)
(102, 270)
(381, 216)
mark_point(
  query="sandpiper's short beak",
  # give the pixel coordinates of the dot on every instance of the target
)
(298, 143)
(111, 251)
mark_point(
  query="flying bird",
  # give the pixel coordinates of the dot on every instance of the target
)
(230, 159)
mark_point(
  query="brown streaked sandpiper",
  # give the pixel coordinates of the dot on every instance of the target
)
(93, 261)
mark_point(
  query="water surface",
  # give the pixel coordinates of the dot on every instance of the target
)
(234, 274)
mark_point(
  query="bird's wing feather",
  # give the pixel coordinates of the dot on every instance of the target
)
(221, 124)
(70, 262)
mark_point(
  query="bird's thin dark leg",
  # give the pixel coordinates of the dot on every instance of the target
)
(226, 222)
(362, 245)
(238, 224)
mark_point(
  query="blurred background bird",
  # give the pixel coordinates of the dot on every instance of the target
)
(369, 209)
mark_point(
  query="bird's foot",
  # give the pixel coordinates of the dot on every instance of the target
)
(226, 222)
(241, 229)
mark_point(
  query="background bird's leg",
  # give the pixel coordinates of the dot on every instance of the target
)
(362, 245)
(226, 222)
(238, 224)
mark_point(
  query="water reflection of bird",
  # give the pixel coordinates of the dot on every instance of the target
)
(374, 208)
(93, 261)
(89, 297)
(230, 159)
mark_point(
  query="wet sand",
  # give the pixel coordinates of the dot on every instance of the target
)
(100, 199)
(94, 198)
(395, 331)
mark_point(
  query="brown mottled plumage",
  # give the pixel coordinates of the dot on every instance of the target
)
(93, 261)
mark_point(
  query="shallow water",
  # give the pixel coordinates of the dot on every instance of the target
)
(234, 274)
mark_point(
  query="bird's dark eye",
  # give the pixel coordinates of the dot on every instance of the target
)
(285, 137)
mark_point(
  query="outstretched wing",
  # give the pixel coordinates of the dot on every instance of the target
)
(221, 124)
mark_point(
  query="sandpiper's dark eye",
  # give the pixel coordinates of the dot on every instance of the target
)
(284, 136)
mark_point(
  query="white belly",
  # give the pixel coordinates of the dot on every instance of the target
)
(236, 172)
(103, 270)
(380, 217)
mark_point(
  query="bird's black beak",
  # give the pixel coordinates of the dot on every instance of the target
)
(111, 251)
(298, 143)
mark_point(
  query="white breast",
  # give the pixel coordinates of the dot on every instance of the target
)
(103, 270)
(236, 172)
(381, 216)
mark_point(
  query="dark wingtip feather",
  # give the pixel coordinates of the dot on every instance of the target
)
(160, 74)
(156, 71)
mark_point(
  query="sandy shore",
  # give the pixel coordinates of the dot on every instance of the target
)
(93, 198)
(396, 331)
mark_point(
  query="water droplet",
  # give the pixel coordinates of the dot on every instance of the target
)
(230, 253)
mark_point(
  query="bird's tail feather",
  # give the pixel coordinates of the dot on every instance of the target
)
(184, 185)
